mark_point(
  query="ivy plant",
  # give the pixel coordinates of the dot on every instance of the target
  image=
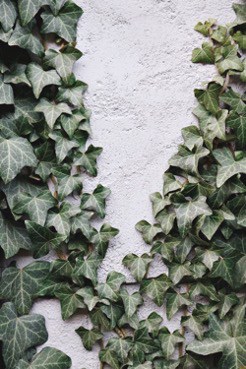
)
(199, 227)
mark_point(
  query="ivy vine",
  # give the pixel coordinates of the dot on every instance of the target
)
(199, 231)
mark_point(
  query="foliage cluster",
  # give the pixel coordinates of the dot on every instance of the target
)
(199, 230)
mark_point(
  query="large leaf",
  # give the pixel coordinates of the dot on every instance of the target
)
(43, 239)
(64, 23)
(36, 207)
(47, 358)
(7, 14)
(6, 93)
(228, 165)
(228, 338)
(17, 153)
(19, 333)
(52, 111)
(62, 60)
(40, 78)
(28, 9)
(25, 38)
(13, 238)
(21, 285)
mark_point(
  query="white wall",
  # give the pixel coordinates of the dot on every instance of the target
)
(137, 64)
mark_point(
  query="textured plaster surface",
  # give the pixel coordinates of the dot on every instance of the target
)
(137, 64)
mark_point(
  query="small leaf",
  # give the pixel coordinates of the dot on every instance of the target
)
(204, 55)
(148, 230)
(39, 78)
(137, 265)
(89, 337)
(155, 288)
(96, 200)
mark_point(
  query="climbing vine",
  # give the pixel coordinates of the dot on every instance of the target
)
(199, 231)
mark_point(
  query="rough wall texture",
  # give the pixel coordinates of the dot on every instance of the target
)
(137, 64)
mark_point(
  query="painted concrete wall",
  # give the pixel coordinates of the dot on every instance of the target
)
(137, 64)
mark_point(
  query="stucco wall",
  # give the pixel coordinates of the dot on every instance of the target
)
(137, 64)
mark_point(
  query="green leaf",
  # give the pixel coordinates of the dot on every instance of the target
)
(43, 239)
(194, 324)
(25, 38)
(96, 200)
(204, 55)
(109, 357)
(238, 123)
(60, 218)
(28, 9)
(62, 60)
(188, 160)
(52, 111)
(228, 165)
(47, 358)
(89, 336)
(178, 271)
(152, 323)
(62, 146)
(131, 302)
(6, 93)
(17, 75)
(73, 94)
(21, 285)
(169, 341)
(13, 238)
(70, 301)
(138, 265)
(64, 22)
(102, 237)
(234, 100)
(36, 207)
(121, 347)
(88, 268)
(7, 14)
(226, 59)
(88, 159)
(109, 290)
(228, 338)
(209, 98)
(17, 153)
(174, 302)
(40, 78)
(188, 210)
(204, 28)
(19, 333)
(148, 230)
(155, 288)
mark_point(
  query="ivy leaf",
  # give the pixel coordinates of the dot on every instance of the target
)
(67, 184)
(19, 333)
(226, 303)
(204, 28)
(47, 358)
(73, 93)
(62, 60)
(137, 265)
(17, 75)
(121, 347)
(64, 22)
(152, 323)
(227, 59)
(238, 123)
(109, 357)
(81, 222)
(43, 239)
(148, 230)
(7, 15)
(194, 324)
(40, 78)
(60, 219)
(188, 160)
(109, 289)
(24, 107)
(102, 237)
(131, 302)
(169, 341)
(6, 93)
(224, 268)
(70, 301)
(62, 146)
(174, 302)
(228, 165)
(155, 288)
(78, 120)
(52, 111)
(17, 153)
(204, 55)
(21, 285)
(36, 207)
(13, 238)
(89, 336)
(89, 297)
(209, 97)
(96, 200)
(28, 9)
(25, 38)
(88, 159)
(178, 271)
(228, 338)
(234, 100)
(114, 313)
(88, 267)
(188, 210)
